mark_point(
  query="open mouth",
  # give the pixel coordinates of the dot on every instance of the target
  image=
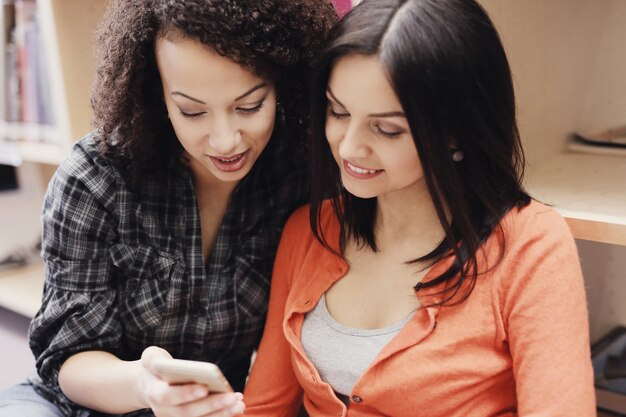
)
(230, 163)
(359, 172)
(230, 160)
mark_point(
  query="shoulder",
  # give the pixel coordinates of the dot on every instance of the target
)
(86, 160)
(299, 223)
(298, 236)
(86, 171)
(538, 254)
(537, 222)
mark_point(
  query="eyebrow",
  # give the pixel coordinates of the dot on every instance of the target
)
(252, 90)
(385, 114)
(178, 93)
(197, 100)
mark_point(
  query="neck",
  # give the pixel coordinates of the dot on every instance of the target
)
(407, 219)
(208, 186)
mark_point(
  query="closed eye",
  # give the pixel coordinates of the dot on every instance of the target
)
(191, 115)
(388, 133)
(335, 115)
(250, 110)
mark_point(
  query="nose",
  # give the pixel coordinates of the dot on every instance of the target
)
(224, 136)
(353, 144)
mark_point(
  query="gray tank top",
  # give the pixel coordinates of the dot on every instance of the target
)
(341, 354)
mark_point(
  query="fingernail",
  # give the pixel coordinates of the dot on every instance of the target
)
(239, 396)
(237, 408)
(200, 392)
(230, 400)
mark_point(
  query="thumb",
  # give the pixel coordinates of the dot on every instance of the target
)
(151, 353)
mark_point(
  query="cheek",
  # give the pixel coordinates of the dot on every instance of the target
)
(334, 133)
(184, 129)
(190, 135)
(259, 128)
(410, 164)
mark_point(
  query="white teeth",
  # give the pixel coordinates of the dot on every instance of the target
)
(361, 170)
(230, 160)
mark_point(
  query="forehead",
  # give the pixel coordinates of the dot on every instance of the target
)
(187, 64)
(361, 81)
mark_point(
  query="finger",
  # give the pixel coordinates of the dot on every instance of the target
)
(152, 352)
(215, 405)
(163, 394)
(235, 410)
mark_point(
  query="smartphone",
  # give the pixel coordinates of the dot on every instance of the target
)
(180, 371)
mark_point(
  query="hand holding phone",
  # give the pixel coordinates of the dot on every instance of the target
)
(180, 371)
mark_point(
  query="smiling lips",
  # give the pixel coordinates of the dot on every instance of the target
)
(359, 172)
(231, 163)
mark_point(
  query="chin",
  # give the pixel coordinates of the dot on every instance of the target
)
(360, 193)
(359, 190)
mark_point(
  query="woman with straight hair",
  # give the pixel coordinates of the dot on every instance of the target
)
(422, 279)
(160, 228)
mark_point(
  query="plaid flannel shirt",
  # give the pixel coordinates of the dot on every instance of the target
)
(124, 268)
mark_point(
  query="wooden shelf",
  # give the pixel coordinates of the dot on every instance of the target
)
(21, 289)
(14, 153)
(588, 190)
(43, 153)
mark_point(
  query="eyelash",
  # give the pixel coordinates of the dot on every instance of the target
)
(388, 134)
(343, 116)
(190, 115)
(251, 110)
(339, 116)
(242, 110)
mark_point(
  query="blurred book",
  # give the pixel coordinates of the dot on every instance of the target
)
(27, 101)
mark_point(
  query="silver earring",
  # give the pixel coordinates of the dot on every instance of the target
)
(458, 155)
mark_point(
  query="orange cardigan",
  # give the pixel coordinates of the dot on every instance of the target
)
(518, 346)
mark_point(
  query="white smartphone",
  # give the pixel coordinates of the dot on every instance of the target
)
(180, 371)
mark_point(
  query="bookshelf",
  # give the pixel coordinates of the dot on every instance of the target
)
(66, 33)
(65, 29)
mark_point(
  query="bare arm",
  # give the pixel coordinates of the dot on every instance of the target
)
(102, 382)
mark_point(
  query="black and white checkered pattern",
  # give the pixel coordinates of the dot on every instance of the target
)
(124, 267)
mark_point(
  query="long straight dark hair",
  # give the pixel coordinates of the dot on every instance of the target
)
(446, 64)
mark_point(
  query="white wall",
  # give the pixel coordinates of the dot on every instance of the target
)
(569, 63)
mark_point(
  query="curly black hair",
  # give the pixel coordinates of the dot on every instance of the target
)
(275, 39)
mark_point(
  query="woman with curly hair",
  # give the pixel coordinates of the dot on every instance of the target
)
(160, 228)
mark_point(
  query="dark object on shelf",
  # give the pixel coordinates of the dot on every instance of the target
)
(608, 356)
(615, 366)
(8, 178)
(615, 137)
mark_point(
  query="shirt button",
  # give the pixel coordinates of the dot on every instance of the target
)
(356, 399)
